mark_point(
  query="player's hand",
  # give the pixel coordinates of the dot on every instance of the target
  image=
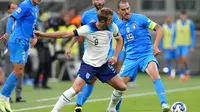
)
(112, 60)
(156, 51)
(34, 41)
(192, 50)
(5, 38)
(67, 52)
(38, 33)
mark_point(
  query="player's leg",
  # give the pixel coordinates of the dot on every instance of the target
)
(116, 96)
(168, 62)
(18, 56)
(118, 66)
(84, 94)
(69, 94)
(185, 58)
(85, 74)
(180, 66)
(150, 65)
(128, 73)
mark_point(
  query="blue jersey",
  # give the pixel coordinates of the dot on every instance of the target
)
(137, 39)
(26, 15)
(91, 16)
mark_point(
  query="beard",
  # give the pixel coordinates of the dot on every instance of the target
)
(98, 6)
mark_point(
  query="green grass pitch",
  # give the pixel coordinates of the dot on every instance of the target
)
(139, 99)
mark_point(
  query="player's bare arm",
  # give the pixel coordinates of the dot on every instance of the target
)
(159, 33)
(58, 34)
(68, 50)
(118, 48)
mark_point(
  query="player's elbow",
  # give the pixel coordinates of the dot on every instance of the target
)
(159, 28)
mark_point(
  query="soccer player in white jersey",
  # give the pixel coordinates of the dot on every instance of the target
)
(94, 63)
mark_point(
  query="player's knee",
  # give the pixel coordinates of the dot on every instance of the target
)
(123, 87)
(18, 71)
(93, 81)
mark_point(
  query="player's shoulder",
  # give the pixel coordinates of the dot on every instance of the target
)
(88, 12)
(133, 15)
(92, 26)
(114, 26)
(191, 21)
(24, 5)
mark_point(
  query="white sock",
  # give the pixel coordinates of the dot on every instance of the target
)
(64, 99)
(115, 98)
(5, 98)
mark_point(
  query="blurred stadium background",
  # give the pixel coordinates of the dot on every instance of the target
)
(63, 69)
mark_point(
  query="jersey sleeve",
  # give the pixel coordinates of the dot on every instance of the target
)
(19, 11)
(193, 38)
(148, 23)
(83, 31)
(83, 19)
(116, 33)
(115, 18)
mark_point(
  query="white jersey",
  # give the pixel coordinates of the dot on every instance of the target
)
(98, 43)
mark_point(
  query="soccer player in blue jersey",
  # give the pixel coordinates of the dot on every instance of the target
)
(94, 62)
(88, 17)
(25, 15)
(184, 43)
(140, 53)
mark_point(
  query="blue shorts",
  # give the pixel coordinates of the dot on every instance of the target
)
(18, 51)
(121, 55)
(104, 73)
(182, 51)
(131, 66)
(169, 54)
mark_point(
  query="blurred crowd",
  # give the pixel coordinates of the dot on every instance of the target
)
(47, 58)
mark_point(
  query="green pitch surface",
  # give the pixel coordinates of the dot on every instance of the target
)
(138, 99)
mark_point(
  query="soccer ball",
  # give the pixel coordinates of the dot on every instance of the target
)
(178, 107)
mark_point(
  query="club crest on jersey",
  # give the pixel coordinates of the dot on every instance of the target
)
(19, 10)
(128, 30)
(134, 26)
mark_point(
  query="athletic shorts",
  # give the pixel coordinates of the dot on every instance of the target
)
(104, 73)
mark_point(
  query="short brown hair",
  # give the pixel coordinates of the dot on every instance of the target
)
(10, 3)
(104, 13)
(121, 1)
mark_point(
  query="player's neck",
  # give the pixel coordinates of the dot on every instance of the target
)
(33, 3)
(99, 26)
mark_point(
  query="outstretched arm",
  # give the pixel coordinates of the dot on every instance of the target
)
(58, 34)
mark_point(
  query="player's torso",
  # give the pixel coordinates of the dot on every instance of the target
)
(167, 36)
(137, 39)
(26, 24)
(98, 44)
(91, 16)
